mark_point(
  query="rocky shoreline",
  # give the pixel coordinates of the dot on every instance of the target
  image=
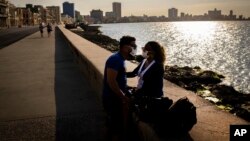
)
(204, 83)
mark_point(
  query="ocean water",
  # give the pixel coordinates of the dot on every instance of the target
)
(220, 46)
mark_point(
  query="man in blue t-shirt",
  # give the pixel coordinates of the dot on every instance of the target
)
(114, 100)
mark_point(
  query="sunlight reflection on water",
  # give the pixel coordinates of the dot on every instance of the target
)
(219, 46)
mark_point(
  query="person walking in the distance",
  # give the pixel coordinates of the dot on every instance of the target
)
(49, 29)
(115, 86)
(41, 29)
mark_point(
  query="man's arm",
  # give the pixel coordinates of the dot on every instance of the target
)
(111, 78)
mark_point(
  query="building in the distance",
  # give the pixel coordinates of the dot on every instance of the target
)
(78, 17)
(117, 10)
(3, 13)
(55, 12)
(231, 15)
(110, 15)
(13, 19)
(97, 15)
(30, 6)
(87, 19)
(215, 14)
(69, 9)
(38, 8)
(173, 14)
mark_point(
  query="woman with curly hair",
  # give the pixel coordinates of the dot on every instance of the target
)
(150, 71)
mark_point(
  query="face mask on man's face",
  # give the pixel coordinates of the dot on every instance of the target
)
(133, 52)
(145, 54)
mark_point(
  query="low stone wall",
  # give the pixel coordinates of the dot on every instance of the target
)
(90, 57)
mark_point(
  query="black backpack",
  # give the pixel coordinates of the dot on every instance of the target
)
(180, 118)
(151, 110)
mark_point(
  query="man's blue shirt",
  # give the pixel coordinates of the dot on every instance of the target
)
(117, 63)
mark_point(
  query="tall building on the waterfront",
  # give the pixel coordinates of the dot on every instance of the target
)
(173, 13)
(97, 15)
(231, 15)
(69, 9)
(117, 10)
(55, 12)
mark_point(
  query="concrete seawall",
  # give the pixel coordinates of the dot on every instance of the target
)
(213, 124)
(89, 56)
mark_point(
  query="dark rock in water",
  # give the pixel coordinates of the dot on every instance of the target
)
(70, 26)
(188, 69)
(211, 74)
(181, 84)
(239, 101)
(197, 68)
(243, 113)
(224, 90)
(102, 40)
(209, 77)
(193, 78)
(194, 86)
(229, 95)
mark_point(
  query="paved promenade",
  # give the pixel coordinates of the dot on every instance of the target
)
(43, 95)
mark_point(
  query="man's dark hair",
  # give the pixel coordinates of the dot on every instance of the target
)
(126, 40)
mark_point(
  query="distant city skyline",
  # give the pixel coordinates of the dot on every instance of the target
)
(150, 7)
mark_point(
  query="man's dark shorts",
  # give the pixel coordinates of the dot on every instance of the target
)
(113, 107)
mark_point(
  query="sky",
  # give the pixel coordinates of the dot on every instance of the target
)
(150, 7)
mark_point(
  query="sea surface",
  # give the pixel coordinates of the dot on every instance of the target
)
(220, 46)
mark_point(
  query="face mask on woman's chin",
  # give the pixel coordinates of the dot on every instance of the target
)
(145, 54)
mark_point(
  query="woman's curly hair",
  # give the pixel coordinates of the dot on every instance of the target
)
(159, 51)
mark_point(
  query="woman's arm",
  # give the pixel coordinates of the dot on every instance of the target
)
(134, 72)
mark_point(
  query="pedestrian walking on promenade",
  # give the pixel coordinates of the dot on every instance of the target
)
(49, 29)
(41, 29)
(115, 103)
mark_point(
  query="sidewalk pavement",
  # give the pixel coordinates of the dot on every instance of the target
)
(43, 95)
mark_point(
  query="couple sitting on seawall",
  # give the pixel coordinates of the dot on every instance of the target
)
(150, 74)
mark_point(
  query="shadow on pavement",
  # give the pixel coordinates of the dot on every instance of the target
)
(10, 36)
(79, 115)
